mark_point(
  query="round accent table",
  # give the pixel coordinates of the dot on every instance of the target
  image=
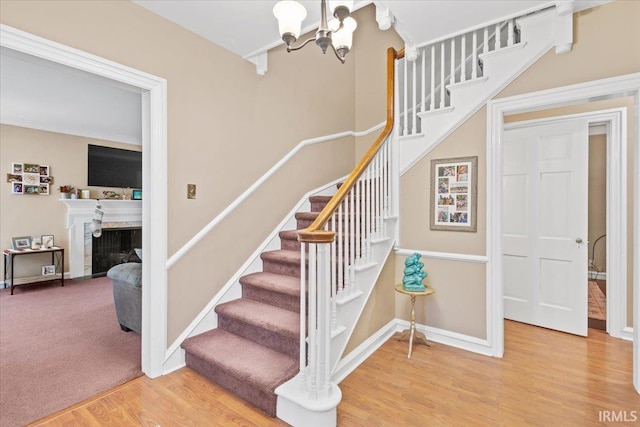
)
(411, 334)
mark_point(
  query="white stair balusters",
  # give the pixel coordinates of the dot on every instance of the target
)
(423, 82)
(330, 273)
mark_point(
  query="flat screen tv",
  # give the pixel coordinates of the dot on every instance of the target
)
(114, 167)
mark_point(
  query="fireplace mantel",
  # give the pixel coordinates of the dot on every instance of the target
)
(117, 213)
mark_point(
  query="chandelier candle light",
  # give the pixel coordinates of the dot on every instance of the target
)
(338, 33)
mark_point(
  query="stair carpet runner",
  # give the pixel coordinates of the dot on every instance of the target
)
(256, 345)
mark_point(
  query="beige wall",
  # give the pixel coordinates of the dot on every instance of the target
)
(596, 31)
(226, 127)
(597, 211)
(26, 215)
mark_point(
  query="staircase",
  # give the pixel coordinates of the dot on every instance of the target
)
(278, 348)
(256, 345)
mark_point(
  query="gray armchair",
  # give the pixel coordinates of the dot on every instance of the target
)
(127, 294)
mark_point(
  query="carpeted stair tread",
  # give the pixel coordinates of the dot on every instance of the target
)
(258, 365)
(320, 199)
(318, 202)
(265, 316)
(289, 234)
(282, 255)
(273, 282)
(249, 370)
(307, 215)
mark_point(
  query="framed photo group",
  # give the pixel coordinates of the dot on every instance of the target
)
(32, 242)
(454, 185)
(29, 178)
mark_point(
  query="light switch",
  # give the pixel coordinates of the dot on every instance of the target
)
(191, 191)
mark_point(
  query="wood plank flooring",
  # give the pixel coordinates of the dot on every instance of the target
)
(546, 378)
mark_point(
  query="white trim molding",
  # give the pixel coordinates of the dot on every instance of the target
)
(360, 354)
(154, 168)
(241, 198)
(449, 256)
(626, 85)
(357, 356)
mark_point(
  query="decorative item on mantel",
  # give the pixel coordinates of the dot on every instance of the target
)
(65, 191)
(111, 195)
(96, 222)
(413, 274)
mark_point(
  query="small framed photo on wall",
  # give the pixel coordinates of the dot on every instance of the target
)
(454, 187)
(17, 188)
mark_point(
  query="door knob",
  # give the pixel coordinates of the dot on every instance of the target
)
(578, 240)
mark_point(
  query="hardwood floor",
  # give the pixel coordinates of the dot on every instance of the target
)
(546, 378)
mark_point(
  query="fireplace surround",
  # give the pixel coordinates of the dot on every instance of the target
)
(118, 214)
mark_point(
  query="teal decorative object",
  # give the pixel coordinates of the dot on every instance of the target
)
(413, 274)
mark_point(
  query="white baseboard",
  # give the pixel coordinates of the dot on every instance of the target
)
(627, 333)
(351, 361)
(452, 339)
(174, 362)
(598, 275)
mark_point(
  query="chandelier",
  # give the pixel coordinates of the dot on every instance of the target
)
(338, 33)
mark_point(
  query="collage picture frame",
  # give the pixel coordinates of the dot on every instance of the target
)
(454, 188)
(30, 178)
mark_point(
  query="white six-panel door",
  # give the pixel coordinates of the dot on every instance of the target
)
(544, 228)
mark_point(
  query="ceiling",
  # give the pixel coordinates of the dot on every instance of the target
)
(43, 95)
(248, 27)
(40, 94)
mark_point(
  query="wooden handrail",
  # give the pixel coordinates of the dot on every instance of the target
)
(315, 233)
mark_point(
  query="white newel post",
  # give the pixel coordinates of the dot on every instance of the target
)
(117, 213)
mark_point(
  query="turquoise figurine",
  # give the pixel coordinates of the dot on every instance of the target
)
(413, 274)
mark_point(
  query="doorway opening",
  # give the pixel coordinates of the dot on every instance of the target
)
(609, 88)
(154, 167)
(557, 170)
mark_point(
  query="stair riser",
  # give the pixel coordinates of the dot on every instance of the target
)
(287, 302)
(284, 344)
(317, 206)
(285, 269)
(262, 399)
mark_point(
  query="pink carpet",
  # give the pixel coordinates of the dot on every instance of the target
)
(60, 346)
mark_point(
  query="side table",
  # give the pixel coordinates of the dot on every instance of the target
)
(411, 334)
(57, 259)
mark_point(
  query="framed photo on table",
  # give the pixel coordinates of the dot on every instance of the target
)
(47, 241)
(48, 270)
(18, 243)
(454, 189)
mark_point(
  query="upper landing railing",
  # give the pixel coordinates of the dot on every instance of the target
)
(425, 77)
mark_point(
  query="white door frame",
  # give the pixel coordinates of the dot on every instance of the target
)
(616, 208)
(154, 179)
(626, 85)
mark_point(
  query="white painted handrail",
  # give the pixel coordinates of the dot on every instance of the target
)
(467, 30)
(222, 215)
